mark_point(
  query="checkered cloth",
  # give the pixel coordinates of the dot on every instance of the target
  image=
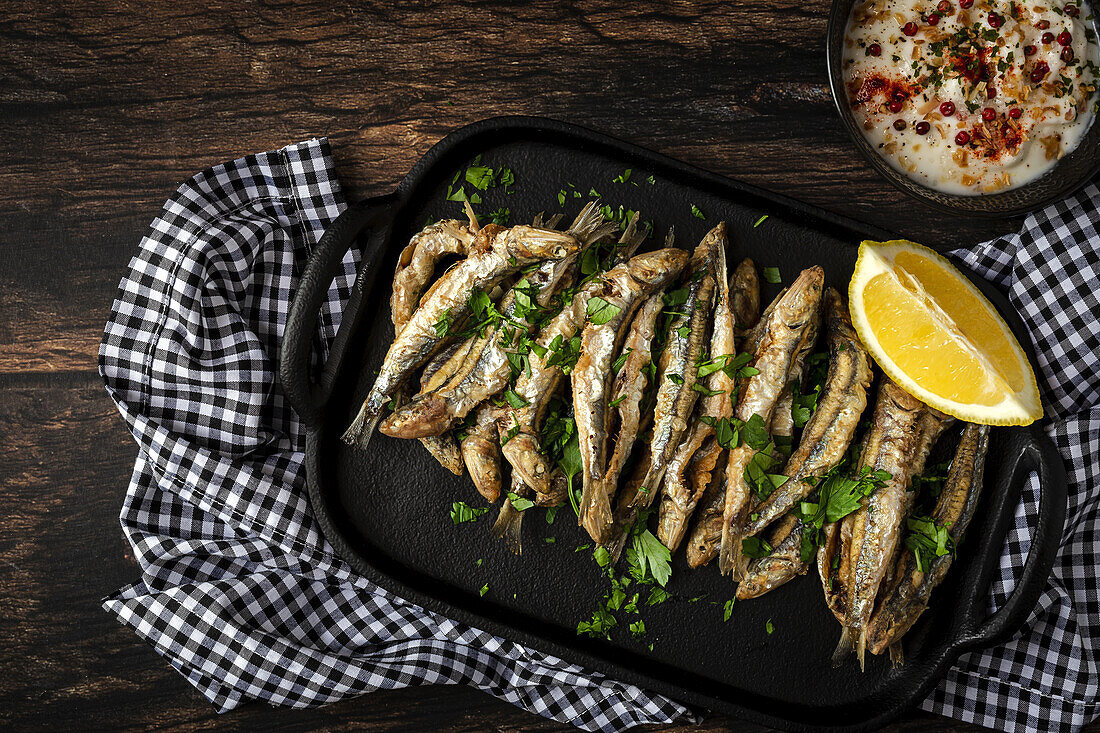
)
(241, 593)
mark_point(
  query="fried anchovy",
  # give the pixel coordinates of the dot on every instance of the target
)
(689, 471)
(834, 567)
(437, 411)
(687, 337)
(780, 336)
(416, 265)
(903, 432)
(444, 448)
(629, 389)
(907, 597)
(825, 439)
(622, 292)
(832, 426)
(495, 253)
(537, 385)
(706, 533)
(481, 452)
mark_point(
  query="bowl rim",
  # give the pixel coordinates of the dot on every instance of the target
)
(839, 12)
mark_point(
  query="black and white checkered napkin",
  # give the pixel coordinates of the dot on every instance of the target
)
(242, 594)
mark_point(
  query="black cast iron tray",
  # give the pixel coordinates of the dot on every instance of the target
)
(386, 510)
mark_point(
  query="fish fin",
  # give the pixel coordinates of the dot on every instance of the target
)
(552, 221)
(509, 527)
(843, 647)
(474, 226)
(861, 649)
(361, 429)
(670, 238)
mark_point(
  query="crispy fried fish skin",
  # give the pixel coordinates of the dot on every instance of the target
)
(830, 429)
(416, 265)
(629, 388)
(907, 597)
(481, 452)
(907, 429)
(780, 336)
(688, 335)
(592, 377)
(689, 471)
(437, 411)
(537, 385)
(706, 533)
(496, 253)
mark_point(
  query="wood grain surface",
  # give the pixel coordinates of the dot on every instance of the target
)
(107, 105)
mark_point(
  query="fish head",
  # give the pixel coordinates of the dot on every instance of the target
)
(658, 267)
(532, 243)
(802, 299)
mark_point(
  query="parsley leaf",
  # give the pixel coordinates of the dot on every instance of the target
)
(650, 552)
(599, 311)
(514, 399)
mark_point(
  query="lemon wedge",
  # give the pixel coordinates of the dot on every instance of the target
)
(937, 336)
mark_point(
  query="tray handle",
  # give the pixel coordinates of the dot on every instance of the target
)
(1039, 454)
(307, 397)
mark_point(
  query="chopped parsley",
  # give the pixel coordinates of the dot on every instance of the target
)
(484, 590)
(519, 503)
(463, 512)
(927, 541)
(771, 275)
(697, 212)
(759, 221)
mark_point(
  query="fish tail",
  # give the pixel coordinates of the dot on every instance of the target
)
(444, 448)
(897, 655)
(843, 647)
(588, 226)
(595, 515)
(361, 429)
(731, 560)
(509, 527)
(617, 541)
(671, 525)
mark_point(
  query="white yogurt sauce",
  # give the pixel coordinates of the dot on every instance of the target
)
(972, 96)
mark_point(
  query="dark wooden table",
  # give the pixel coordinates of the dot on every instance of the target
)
(105, 107)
